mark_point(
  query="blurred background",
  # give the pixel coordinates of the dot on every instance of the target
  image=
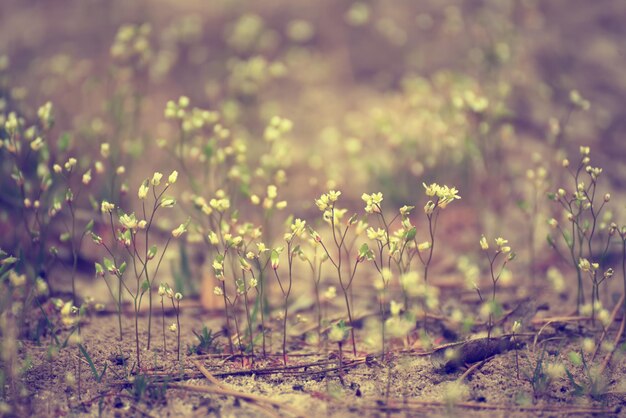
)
(381, 96)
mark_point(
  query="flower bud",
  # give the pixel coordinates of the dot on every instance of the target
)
(156, 178)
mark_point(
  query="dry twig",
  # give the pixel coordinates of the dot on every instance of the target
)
(237, 394)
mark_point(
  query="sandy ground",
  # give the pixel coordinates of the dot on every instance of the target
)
(406, 383)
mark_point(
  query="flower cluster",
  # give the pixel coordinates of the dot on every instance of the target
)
(586, 266)
(132, 45)
(276, 128)
(298, 228)
(444, 195)
(327, 200)
(372, 202)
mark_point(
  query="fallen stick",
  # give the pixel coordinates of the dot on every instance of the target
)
(236, 394)
(127, 308)
(228, 355)
(574, 318)
(265, 408)
(292, 370)
(471, 369)
(207, 374)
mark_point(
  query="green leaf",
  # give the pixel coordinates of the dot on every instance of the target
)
(92, 366)
(9, 260)
(410, 234)
(578, 389)
(244, 189)
(108, 264)
(64, 141)
(244, 264)
(575, 358)
(152, 252)
(338, 332)
(241, 286)
(88, 358)
(95, 205)
(208, 150)
(122, 268)
(46, 182)
(99, 269)
(568, 238)
(511, 256)
(274, 258)
(89, 226)
(364, 250)
(496, 309)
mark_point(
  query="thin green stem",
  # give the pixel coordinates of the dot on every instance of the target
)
(245, 299)
(163, 325)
